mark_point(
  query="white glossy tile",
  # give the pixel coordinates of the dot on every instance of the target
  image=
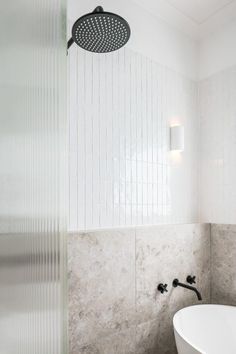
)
(217, 102)
(120, 110)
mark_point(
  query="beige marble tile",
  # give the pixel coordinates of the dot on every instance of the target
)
(119, 343)
(122, 342)
(223, 258)
(153, 337)
(164, 253)
(114, 307)
(147, 337)
(101, 285)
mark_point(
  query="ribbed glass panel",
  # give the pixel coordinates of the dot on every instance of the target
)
(32, 176)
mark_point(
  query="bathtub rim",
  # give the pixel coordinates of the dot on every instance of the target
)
(183, 336)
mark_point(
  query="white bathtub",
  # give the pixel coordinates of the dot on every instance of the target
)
(206, 329)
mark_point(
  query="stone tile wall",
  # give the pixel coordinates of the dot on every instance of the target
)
(223, 264)
(114, 307)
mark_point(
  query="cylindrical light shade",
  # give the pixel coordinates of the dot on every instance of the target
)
(177, 138)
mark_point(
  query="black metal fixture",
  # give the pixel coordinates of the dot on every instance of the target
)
(100, 32)
(186, 286)
(162, 288)
(191, 279)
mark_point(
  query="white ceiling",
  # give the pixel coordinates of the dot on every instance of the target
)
(197, 18)
(199, 10)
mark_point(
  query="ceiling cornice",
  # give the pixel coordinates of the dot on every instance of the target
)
(168, 13)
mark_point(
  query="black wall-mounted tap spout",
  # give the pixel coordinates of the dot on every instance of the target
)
(186, 286)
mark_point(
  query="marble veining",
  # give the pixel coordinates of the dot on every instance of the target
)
(114, 307)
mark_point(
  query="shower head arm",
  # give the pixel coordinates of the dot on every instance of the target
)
(69, 43)
(98, 9)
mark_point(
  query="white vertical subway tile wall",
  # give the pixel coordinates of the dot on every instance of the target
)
(217, 102)
(122, 173)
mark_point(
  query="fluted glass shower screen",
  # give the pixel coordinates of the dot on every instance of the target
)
(32, 176)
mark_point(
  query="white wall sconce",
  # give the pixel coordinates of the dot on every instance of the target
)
(177, 138)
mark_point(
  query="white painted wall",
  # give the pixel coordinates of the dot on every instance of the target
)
(150, 36)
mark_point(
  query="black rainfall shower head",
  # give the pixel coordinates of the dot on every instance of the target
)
(100, 32)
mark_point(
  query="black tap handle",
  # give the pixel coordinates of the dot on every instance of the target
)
(191, 279)
(162, 288)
